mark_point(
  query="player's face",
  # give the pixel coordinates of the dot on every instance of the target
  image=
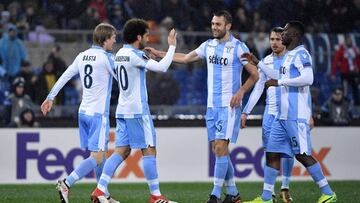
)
(144, 40)
(219, 27)
(108, 44)
(287, 35)
(276, 42)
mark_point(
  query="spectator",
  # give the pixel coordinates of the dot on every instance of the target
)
(29, 77)
(46, 81)
(59, 63)
(89, 19)
(12, 52)
(336, 110)
(27, 119)
(100, 7)
(5, 20)
(347, 60)
(17, 102)
(340, 17)
(31, 16)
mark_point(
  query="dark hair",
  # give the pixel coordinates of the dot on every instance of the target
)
(276, 30)
(298, 26)
(102, 32)
(225, 14)
(133, 28)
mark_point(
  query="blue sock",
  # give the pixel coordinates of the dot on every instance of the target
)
(81, 170)
(319, 178)
(270, 175)
(99, 169)
(150, 172)
(287, 166)
(110, 166)
(229, 179)
(221, 167)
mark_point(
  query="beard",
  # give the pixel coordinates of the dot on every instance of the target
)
(141, 46)
(220, 35)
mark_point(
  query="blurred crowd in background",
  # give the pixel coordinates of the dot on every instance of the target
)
(24, 85)
(331, 16)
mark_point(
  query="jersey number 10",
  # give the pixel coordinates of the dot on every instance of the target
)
(123, 77)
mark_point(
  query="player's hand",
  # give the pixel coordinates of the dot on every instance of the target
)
(311, 123)
(46, 106)
(251, 58)
(271, 82)
(172, 37)
(243, 121)
(149, 53)
(236, 99)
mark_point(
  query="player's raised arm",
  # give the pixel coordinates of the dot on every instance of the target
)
(164, 63)
(178, 57)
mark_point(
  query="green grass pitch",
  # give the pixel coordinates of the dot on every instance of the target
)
(302, 192)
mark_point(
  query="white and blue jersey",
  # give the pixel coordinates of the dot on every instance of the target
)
(290, 133)
(131, 72)
(295, 103)
(272, 93)
(272, 96)
(96, 69)
(134, 125)
(224, 66)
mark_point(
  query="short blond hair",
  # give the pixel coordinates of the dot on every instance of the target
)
(102, 32)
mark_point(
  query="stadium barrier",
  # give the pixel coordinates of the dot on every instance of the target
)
(46, 154)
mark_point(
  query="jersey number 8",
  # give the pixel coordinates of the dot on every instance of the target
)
(88, 79)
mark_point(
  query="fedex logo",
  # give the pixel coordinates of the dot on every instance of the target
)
(245, 162)
(63, 162)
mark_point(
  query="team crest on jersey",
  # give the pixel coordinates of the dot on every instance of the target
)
(228, 49)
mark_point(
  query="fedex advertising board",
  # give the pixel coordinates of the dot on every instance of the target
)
(184, 155)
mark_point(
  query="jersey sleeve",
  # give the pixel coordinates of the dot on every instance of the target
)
(256, 93)
(70, 72)
(242, 48)
(139, 59)
(303, 60)
(201, 50)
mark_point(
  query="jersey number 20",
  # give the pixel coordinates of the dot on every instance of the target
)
(123, 77)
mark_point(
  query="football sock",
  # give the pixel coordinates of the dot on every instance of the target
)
(99, 169)
(81, 170)
(270, 175)
(150, 172)
(221, 168)
(110, 166)
(229, 179)
(318, 176)
(287, 166)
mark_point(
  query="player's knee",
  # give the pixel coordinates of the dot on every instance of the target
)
(98, 156)
(149, 151)
(220, 149)
(273, 160)
(305, 160)
(124, 152)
